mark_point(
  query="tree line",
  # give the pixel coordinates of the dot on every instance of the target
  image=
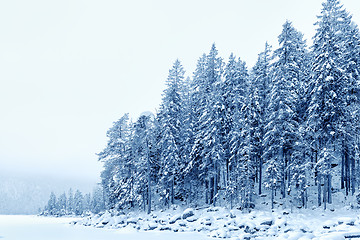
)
(228, 135)
(75, 203)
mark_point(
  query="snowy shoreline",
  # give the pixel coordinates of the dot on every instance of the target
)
(218, 222)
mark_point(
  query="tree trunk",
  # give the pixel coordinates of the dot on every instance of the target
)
(260, 174)
(329, 198)
(325, 191)
(342, 179)
(319, 188)
(172, 190)
(353, 174)
(272, 196)
(149, 180)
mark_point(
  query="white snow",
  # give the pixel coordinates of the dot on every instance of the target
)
(19, 227)
(294, 224)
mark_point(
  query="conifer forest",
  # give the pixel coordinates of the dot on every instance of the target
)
(283, 132)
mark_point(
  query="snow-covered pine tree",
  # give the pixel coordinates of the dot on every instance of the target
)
(170, 118)
(236, 153)
(258, 94)
(187, 134)
(116, 173)
(62, 204)
(78, 203)
(70, 202)
(97, 201)
(196, 104)
(209, 135)
(52, 206)
(327, 112)
(87, 202)
(143, 146)
(349, 34)
(282, 127)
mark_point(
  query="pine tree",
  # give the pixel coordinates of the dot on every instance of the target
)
(196, 105)
(235, 131)
(209, 138)
(171, 145)
(258, 95)
(62, 203)
(327, 111)
(70, 203)
(78, 203)
(116, 173)
(97, 202)
(52, 206)
(281, 131)
(144, 146)
(188, 133)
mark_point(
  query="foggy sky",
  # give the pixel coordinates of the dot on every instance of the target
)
(68, 69)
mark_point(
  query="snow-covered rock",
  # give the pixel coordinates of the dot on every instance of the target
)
(188, 213)
(175, 218)
(221, 223)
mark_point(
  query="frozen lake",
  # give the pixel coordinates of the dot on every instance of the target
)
(18, 227)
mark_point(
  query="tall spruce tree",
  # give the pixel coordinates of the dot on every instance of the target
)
(283, 122)
(114, 156)
(258, 94)
(209, 135)
(328, 112)
(234, 129)
(170, 119)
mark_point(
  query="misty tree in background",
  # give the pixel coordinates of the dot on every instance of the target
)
(70, 202)
(62, 204)
(97, 200)
(52, 206)
(87, 202)
(78, 203)
(82, 203)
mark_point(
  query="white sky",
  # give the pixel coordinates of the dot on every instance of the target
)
(69, 68)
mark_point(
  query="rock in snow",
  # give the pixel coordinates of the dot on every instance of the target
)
(174, 218)
(188, 213)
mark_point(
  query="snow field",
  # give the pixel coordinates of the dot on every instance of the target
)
(19, 227)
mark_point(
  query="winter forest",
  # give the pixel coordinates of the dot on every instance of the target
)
(284, 132)
(74, 203)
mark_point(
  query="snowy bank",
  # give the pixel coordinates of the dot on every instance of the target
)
(235, 224)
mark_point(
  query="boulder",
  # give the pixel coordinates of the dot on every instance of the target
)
(174, 218)
(188, 213)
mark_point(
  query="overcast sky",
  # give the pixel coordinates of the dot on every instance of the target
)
(68, 69)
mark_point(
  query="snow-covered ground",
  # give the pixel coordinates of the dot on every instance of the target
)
(315, 224)
(189, 224)
(17, 227)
